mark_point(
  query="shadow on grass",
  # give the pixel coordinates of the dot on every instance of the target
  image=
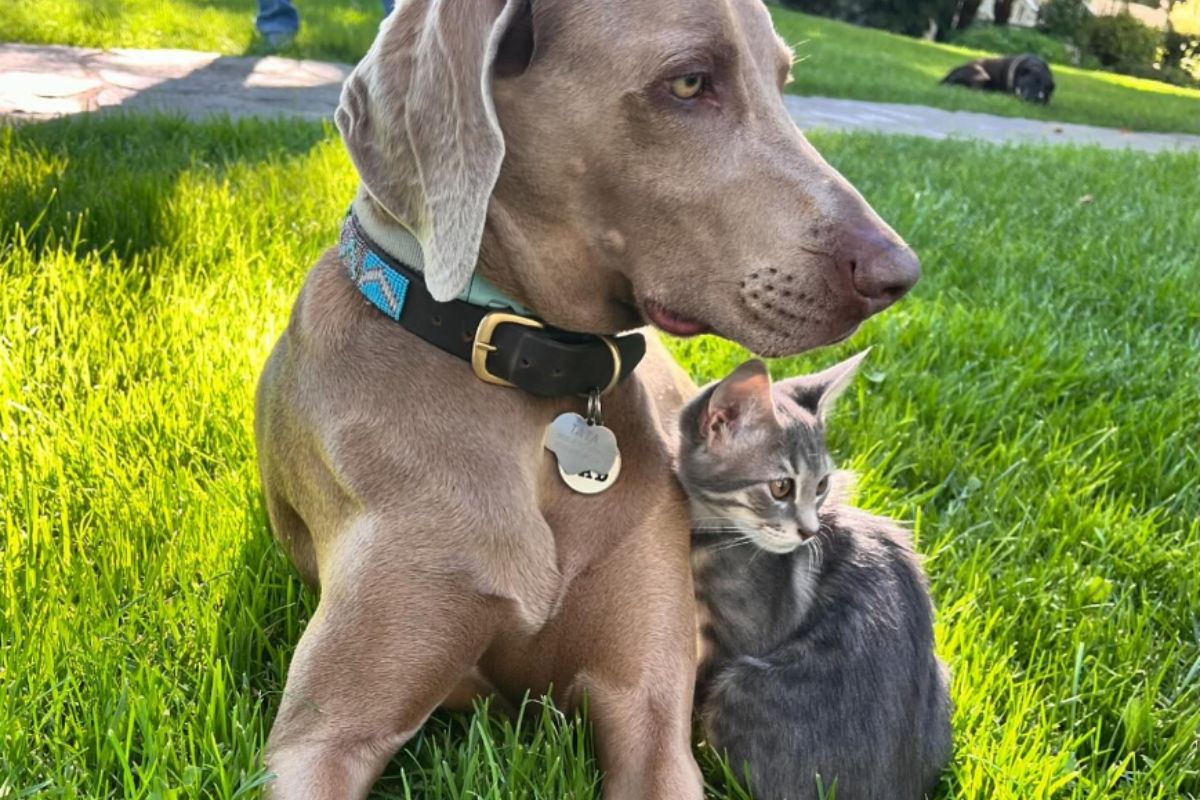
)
(103, 184)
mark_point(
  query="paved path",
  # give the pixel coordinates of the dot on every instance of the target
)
(42, 82)
(935, 123)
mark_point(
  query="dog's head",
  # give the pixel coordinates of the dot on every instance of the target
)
(1033, 81)
(614, 163)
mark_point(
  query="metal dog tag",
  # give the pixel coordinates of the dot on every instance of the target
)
(588, 460)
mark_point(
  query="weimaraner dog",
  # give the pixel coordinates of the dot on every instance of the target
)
(605, 165)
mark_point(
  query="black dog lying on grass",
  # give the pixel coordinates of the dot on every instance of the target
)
(1026, 76)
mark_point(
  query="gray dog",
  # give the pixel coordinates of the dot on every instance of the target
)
(1026, 76)
(605, 165)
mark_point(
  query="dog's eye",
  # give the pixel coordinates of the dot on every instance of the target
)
(782, 488)
(688, 87)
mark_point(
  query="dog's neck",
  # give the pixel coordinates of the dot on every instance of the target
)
(401, 244)
(1013, 66)
(396, 239)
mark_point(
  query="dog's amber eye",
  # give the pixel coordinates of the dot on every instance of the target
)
(782, 488)
(687, 87)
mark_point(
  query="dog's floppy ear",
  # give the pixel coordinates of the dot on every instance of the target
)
(417, 117)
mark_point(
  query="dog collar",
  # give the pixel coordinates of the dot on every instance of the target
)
(1013, 66)
(505, 345)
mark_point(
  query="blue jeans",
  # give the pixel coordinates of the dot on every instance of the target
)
(280, 16)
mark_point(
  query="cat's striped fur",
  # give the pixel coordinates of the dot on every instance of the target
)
(816, 623)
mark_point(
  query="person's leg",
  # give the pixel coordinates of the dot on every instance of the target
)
(277, 20)
(388, 5)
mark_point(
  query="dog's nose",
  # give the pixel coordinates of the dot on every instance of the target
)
(882, 270)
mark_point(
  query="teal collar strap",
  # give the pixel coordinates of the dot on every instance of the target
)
(504, 344)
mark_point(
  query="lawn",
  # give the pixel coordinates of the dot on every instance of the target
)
(838, 60)
(1031, 408)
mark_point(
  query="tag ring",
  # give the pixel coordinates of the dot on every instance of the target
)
(595, 416)
(616, 360)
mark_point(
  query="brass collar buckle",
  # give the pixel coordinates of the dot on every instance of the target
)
(482, 346)
(483, 343)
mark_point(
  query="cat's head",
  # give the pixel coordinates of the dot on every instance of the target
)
(752, 455)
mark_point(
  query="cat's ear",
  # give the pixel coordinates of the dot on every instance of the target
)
(818, 392)
(744, 395)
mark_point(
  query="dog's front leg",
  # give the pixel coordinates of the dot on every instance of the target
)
(628, 641)
(390, 639)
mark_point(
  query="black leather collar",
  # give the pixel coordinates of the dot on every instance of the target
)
(503, 347)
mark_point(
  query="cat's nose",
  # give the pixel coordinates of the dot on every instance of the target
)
(808, 524)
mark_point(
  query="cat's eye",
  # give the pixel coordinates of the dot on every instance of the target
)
(822, 486)
(782, 488)
(688, 87)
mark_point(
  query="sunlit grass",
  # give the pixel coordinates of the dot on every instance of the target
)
(1031, 408)
(838, 60)
(339, 30)
(1130, 82)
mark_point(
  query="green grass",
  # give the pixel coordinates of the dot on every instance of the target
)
(1032, 407)
(332, 30)
(838, 60)
(1011, 39)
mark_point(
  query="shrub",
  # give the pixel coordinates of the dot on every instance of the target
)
(1010, 40)
(1173, 75)
(1181, 53)
(1065, 19)
(1121, 42)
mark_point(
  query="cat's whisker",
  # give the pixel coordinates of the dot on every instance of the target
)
(724, 525)
(814, 561)
(730, 545)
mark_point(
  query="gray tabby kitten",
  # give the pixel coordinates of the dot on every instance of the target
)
(815, 616)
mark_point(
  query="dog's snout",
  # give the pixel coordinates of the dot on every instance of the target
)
(882, 271)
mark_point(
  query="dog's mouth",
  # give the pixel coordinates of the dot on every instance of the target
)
(841, 337)
(675, 323)
(672, 322)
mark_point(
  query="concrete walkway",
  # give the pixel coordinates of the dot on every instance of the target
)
(42, 82)
(935, 123)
